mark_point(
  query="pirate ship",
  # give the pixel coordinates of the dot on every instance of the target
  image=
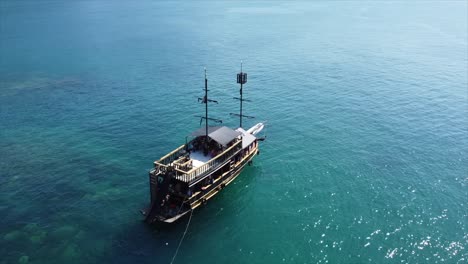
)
(193, 173)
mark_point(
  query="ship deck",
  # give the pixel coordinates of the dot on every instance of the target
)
(198, 159)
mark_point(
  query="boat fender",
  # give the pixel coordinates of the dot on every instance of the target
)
(203, 201)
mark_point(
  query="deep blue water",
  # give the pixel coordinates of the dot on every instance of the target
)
(366, 157)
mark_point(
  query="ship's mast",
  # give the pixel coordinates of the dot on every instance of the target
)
(241, 79)
(206, 105)
(205, 101)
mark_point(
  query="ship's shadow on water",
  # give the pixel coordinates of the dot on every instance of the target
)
(157, 243)
(142, 243)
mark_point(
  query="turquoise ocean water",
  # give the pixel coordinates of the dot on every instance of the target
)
(367, 138)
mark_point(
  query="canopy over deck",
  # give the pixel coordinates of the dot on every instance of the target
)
(221, 134)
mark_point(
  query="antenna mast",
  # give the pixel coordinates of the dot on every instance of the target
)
(241, 79)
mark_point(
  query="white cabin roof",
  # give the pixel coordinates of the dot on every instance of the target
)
(247, 138)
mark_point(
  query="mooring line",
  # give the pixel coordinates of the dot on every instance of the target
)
(183, 236)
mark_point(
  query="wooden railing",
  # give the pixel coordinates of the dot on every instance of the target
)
(183, 164)
(169, 158)
(211, 165)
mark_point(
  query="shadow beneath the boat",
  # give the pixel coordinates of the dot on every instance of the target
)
(157, 243)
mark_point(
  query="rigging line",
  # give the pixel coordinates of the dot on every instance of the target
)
(180, 208)
(183, 236)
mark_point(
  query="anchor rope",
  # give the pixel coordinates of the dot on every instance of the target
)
(183, 236)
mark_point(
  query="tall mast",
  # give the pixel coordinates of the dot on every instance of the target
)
(241, 79)
(205, 101)
(206, 105)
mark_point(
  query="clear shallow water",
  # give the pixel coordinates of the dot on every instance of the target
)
(366, 157)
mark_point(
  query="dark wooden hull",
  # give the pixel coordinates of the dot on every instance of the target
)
(222, 182)
(200, 198)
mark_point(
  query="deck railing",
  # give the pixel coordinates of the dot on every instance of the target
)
(211, 165)
(169, 158)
